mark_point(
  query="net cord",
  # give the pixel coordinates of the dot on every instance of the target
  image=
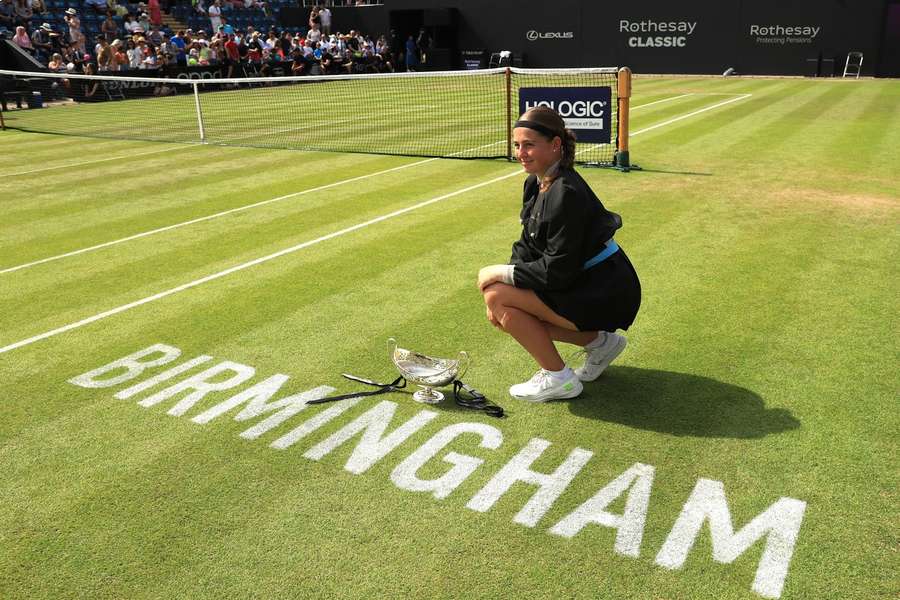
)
(314, 78)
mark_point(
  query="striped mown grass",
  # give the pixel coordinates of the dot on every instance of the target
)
(765, 233)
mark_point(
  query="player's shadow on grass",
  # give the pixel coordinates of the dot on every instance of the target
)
(679, 404)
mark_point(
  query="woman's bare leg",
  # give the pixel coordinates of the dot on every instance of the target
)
(579, 338)
(524, 316)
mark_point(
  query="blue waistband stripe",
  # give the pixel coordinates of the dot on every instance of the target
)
(611, 248)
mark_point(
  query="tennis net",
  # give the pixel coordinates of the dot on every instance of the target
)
(460, 114)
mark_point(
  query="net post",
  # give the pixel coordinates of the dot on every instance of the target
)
(199, 113)
(2, 122)
(508, 113)
(622, 160)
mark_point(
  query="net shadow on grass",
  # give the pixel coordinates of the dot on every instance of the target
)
(667, 172)
(679, 404)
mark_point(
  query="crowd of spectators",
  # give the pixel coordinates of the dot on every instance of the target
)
(137, 41)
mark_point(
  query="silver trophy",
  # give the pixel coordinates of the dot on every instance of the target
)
(427, 372)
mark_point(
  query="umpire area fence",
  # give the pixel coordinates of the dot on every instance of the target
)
(451, 114)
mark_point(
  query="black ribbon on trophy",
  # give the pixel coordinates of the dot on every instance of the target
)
(427, 373)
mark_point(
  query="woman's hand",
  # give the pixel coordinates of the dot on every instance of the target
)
(495, 274)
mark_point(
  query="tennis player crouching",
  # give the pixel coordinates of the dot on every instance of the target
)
(568, 280)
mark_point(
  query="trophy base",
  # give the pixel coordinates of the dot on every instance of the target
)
(428, 396)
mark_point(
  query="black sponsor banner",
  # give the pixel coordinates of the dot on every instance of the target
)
(660, 36)
(586, 110)
(539, 34)
(787, 37)
(133, 88)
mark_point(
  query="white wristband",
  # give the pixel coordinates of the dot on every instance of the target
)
(508, 278)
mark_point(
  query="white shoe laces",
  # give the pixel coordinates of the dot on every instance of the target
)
(540, 378)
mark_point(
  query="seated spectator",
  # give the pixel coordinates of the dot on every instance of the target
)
(314, 35)
(110, 28)
(41, 42)
(143, 48)
(155, 37)
(144, 22)
(22, 40)
(115, 8)
(130, 24)
(98, 6)
(298, 66)
(162, 59)
(23, 12)
(56, 64)
(150, 62)
(271, 40)
(135, 54)
(120, 56)
(7, 14)
(39, 7)
(254, 41)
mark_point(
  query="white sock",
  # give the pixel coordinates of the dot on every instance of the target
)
(598, 341)
(562, 375)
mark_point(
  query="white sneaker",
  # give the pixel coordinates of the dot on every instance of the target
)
(543, 386)
(599, 357)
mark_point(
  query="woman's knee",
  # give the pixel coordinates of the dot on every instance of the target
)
(495, 296)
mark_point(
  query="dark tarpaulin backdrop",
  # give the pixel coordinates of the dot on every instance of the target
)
(650, 36)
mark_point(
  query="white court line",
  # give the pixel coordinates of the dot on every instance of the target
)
(226, 212)
(691, 114)
(207, 217)
(87, 162)
(246, 265)
(660, 101)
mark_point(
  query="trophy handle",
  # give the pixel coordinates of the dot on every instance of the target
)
(392, 347)
(463, 364)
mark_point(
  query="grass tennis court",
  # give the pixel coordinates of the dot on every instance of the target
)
(765, 233)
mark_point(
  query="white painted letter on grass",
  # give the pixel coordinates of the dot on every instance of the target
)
(404, 476)
(160, 377)
(550, 486)
(132, 365)
(305, 428)
(257, 395)
(630, 524)
(780, 523)
(374, 445)
(257, 399)
(201, 385)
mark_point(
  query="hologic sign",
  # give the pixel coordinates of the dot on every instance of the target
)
(586, 110)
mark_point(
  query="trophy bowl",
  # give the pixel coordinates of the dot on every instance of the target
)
(427, 372)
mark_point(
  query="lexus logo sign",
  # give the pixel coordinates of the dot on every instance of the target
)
(533, 35)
